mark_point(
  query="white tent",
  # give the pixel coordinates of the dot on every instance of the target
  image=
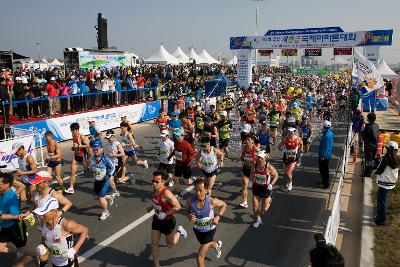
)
(31, 61)
(55, 63)
(385, 71)
(194, 56)
(44, 61)
(180, 55)
(233, 61)
(162, 56)
(207, 57)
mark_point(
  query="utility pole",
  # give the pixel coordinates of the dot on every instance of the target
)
(38, 53)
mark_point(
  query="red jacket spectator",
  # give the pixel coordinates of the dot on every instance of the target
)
(51, 89)
(183, 150)
(140, 80)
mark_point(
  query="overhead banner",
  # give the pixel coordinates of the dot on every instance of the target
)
(364, 70)
(304, 31)
(105, 119)
(244, 68)
(289, 52)
(89, 59)
(379, 37)
(239, 43)
(316, 52)
(265, 53)
(342, 51)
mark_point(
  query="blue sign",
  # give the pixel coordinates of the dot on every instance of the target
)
(379, 37)
(304, 31)
(239, 43)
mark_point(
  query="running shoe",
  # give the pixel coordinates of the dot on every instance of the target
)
(116, 194)
(110, 199)
(146, 165)
(257, 223)
(182, 231)
(289, 186)
(104, 215)
(244, 205)
(70, 191)
(170, 183)
(218, 248)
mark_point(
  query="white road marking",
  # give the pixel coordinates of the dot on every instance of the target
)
(122, 232)
(67, 177)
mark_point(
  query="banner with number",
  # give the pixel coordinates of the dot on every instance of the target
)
(313, 52)
(342, 51)
(265, 52)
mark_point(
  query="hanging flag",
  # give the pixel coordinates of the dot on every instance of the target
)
(365, 71)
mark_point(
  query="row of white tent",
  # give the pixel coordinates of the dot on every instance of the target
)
(162, 56)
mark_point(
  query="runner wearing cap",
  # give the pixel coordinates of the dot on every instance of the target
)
(162, 120)
(165, 206)
(44, 191)
(292, 145)
(129, 145)
(175, 122)
(248, 158)
(184, 154)
(200, 208)
(12, 228)
(262, 185)
(166, 147)
(116, 154)
(189, 111)
(250, 114)
(54, 158)
(188, 127)
(58, 236)
(94, 132)
(80, 146)
(225, 127)
(103, 170)
(27, 165)
(246, 132)
(207, 159)
(264, 138)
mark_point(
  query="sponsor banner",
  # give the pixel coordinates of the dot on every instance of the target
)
(304, 31)
(105, 119)
(342, 51)
(265, 52)
(372, 53)
(10, 159)
(379, 37)
(365, 70)
(316, 52)
(310, 71)
(244, 68)
(239, 43)
(321, 40)
(88, 60)
(289, 52)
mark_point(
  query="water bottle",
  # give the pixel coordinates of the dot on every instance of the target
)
(30, 219)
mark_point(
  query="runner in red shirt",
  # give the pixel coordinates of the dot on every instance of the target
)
(162, 120)
(248, 159)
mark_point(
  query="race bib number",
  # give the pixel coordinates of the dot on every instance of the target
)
(178, 155)
(260, 179)
(291, 153)
(157, 208)
(55, 250)
(98, 173)
(203, 223)
(163, 151)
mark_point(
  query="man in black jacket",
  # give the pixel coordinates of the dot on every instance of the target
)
(370, 138)
(4, 97)
(20, 94)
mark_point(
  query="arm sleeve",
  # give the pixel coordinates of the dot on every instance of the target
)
(109, 166)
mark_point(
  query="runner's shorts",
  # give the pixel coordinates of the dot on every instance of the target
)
(223, 143)
(205, 237)
(261, 191)
(165, 227)
(287, 162)
(15, 234)
(246, 172)
(210, 174)
(185, 171)
(100, 188)
(130, 153)
(168, 168)
(53, 164)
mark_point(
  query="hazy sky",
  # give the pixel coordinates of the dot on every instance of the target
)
(140, 26)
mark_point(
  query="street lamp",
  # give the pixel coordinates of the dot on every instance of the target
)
(255, 50)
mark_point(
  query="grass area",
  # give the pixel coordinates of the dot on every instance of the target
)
(387, 238)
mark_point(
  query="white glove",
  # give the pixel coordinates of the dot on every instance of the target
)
(41, 250)
(70, 254)
(270, 187)
(161, 215)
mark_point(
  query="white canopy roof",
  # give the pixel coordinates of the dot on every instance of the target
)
(385, 71)
(195, 56)
(180, 55)
(44, 61)
(233, 61)
(31, 61)
(162, 56)
(207, 57)
(56, 62)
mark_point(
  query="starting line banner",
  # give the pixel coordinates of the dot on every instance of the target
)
(105, 119)
(10, 159)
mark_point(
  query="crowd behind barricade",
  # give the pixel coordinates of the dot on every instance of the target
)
(31, 93)
(284, 113)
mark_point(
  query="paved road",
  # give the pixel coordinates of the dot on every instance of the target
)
(284, 238)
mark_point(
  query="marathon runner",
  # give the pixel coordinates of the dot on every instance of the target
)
(80, 146)
(58, 236)
(116, 153)
(292, 145)
(248, 159)
(188, 127)
(229, 105)
(264, 138)
(210, 131)
(305, 133)
(184, 155)
(262, 185)
(165, 206)
(274, 122)
(166, 147)
(54, 158)
(175, 122)
(225, 127)
(200, 208)
(94, 132)
(27, 166)
(103, 170)
(162, 120)
(199, 118)
(207, 159)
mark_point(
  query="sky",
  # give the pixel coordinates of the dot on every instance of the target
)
(140, 26)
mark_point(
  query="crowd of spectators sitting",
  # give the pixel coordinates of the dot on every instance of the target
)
(43, 93)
